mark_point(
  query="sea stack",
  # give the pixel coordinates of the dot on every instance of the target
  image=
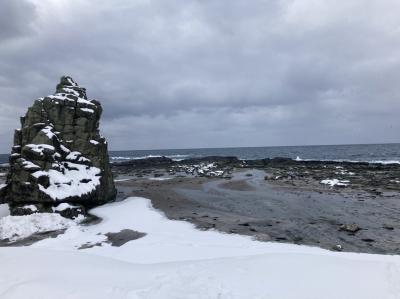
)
(59, 161)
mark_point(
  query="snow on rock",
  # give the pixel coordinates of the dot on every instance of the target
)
(29, 165)
(88, 110)
(40, 148)
(18, 227)
(73, 156)
(33, 208)
(174, 260)
(3, 186)
(71, 180)
(202, 169)
(48, 130)
(64, 206)
(52, 156)
(335, 182)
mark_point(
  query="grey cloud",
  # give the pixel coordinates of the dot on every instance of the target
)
(16, 17)
(213, 73)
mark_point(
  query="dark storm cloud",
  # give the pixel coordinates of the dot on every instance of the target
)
(211, 73)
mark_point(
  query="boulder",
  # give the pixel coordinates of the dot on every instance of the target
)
(59, 155)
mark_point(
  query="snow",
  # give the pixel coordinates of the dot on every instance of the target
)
(83, 159)
(48, 131)
(174, 260)
(70, 90)
(3, 174)
(87, 110)
(94, 142)
(19, 227)
(298, 159)
(63, 206)
(83, 101)
(63, 97)
(29, 165)
(159, 179)
(33, 208)
(64, 149)
(39, 148)
(3, 186)
(122, 180)
(70, 180)
(335, 182)
(73, 156)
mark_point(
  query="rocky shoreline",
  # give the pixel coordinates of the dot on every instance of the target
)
(341, 206)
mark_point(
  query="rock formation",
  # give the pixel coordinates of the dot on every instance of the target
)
(59, 161)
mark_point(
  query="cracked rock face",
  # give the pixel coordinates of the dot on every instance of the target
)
(59, 156)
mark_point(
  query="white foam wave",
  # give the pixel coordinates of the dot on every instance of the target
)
(384, 162)
(173, 157)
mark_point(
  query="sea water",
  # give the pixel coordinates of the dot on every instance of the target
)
(381, 153)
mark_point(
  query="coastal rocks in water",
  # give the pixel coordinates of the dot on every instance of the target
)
(59, 161)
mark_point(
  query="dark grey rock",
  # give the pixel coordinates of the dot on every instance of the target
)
(59, 155)
(351, 228)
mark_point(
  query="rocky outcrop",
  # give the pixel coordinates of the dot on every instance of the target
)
(59, 161)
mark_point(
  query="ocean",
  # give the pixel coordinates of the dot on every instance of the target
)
(380, 153)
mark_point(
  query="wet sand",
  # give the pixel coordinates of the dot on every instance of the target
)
(274, 211)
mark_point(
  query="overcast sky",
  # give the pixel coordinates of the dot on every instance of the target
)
(210, 73)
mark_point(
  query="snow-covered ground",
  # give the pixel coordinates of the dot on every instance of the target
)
(174, 260)
(19, 227)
